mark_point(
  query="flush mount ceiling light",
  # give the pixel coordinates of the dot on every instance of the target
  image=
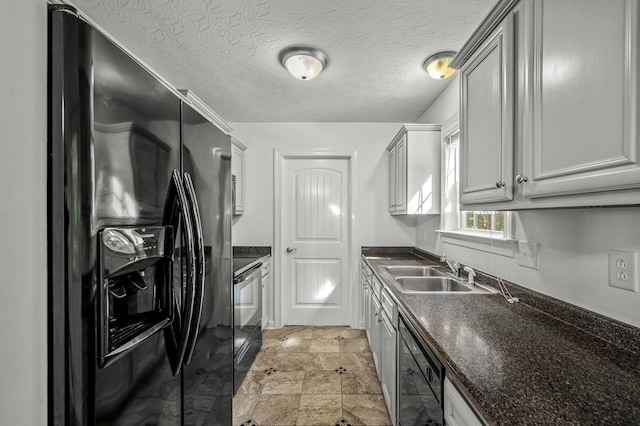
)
(438, 65)
(302, 62)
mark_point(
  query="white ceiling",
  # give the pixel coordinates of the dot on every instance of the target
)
(226, 52)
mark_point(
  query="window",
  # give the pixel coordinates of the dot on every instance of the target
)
(494, 224)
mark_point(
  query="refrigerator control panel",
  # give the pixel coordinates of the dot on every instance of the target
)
(142, 242)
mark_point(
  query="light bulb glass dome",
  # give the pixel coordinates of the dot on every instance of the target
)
(304, 67)
(303, 63)
(438, 65)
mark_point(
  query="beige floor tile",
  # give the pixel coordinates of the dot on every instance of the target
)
(276, 410)
(263, 361)
(322, 381)
(271, 345)
(291, 361)
(330, 332)
(357, 361)
(243, 406)
(324, 345)
(284, 382)
(323, 361)
(367, 410)
(360, 382)
(320, 409)
(352, 333)
(274, 333)
(252, 383)
(354, 345)
(295, 344)
(305, 389)
(299, 331)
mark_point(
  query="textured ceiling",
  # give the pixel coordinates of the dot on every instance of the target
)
(226, 52)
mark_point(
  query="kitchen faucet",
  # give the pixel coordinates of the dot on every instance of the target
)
(455, 266)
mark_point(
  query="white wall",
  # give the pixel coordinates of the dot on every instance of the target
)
(444, 105)
(370, 140)
(574, 245)
(23, 213)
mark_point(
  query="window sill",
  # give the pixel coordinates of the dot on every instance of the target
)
(500, 246)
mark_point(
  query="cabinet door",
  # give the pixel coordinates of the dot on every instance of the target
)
(388, 359)
(585, 86)
(401, 174)
(456, 410)
(237, 169)
(368, 313)
(393, 189)
(267, 295)
(376, 326)
(486, 119)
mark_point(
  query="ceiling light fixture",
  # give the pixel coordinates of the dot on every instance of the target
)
(438, 65)
(302, 62)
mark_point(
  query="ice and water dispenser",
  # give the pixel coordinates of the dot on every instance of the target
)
(134, 292)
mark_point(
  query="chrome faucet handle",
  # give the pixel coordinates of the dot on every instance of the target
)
(471, 275)
(456, 268)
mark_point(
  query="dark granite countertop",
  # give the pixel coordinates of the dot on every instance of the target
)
(244, 257)
(518, 365)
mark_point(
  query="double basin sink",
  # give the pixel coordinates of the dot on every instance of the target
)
(431, 279)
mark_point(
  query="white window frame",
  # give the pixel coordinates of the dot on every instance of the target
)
(451, 231)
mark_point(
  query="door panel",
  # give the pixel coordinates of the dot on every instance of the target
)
(318, 205)
(486, 120)
(581, 140)
(316, 281)
(315, 230)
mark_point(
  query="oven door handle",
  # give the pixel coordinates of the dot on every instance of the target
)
(247, 274)
(177, 333)
(199, 271)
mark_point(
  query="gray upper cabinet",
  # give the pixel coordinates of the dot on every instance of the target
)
(238, 175)
(583, 63)
(560, 127)
(486, 117)
(414, 170)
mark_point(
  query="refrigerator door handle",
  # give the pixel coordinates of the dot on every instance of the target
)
(200, 271)
(177, 334)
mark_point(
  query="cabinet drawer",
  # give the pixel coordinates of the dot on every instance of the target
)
(389, 306)
(376, 286)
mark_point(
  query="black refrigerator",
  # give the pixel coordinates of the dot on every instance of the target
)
(139, 234)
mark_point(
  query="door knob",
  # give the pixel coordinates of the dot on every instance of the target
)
(521, 179)
(291, 250)
(499, 184)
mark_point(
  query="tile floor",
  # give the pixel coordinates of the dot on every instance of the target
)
(311, 376)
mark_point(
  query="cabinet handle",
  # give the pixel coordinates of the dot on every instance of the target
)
(521, 179)
(499, 184)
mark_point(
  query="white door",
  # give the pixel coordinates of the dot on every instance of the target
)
(315, 241)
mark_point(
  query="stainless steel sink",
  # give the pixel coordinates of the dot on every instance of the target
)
(441, 284)
(414, 271)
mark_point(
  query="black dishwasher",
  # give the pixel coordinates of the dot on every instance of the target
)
(421, 376)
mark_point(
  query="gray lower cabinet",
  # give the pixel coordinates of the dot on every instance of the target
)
(380, 319)
(267, 296)
(388, 367)
(456, 410)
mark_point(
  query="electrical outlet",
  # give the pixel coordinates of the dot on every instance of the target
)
(528, 254)
(623, 269)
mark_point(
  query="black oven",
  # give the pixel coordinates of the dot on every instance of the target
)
(247, 320)
(421, 378)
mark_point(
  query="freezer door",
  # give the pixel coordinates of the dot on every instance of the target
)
(208, 381)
